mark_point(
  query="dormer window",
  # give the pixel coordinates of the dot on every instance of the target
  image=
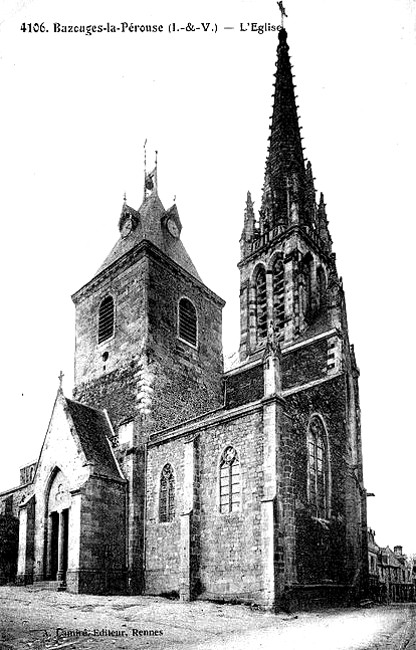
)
(106, 319)
(187, 322)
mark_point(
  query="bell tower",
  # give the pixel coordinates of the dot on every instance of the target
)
(288, 275)
(148, 331)
(291, 294)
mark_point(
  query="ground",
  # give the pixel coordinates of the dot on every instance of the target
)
(44, 619)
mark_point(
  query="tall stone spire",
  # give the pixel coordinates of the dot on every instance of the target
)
(284, 185)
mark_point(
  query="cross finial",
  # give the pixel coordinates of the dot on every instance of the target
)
(282, 11)
(60, 377)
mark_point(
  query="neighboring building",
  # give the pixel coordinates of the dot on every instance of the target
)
(373, 558)
(9, 523)
(390, 573)
(165, 474)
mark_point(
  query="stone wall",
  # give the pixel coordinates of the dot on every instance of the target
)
(225, 550)
(102, 561)
(244, 387)
(144, 368)
(231, 562)
(163, 539)
(187, 380)
(320, 545)
(305, 364)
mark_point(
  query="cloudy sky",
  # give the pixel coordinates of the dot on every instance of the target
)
(76, 110)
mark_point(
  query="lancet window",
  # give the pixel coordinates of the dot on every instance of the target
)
(279, 298)
(261, 303)
(229, 481)
(318, 468)
(167, 494)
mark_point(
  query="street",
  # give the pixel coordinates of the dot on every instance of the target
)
(44, 619)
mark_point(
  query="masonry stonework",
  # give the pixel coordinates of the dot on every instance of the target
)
(172, 473)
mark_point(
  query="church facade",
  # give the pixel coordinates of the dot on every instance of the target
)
(165, 473)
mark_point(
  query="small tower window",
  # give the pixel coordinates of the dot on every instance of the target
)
(167, 495)
(187, 322)
(229, 481)
(318, 468)
(261, 304)
(279, 298)
(106, 319)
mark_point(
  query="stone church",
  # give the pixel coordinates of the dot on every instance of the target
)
(166, 473)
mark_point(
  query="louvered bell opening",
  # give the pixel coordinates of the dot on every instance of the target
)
(261, 300)
(279, 299)
(106, 319)
(187, 322)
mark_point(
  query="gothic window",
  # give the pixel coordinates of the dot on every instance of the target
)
(318, 468)
(305, 286)
(261, 303)
(320, 288)
(106, 319)
(187, 322)
(167, 494)
(229, 481)
(279, 298)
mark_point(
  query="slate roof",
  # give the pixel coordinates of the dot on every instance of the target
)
(149, 228)
(93, 430)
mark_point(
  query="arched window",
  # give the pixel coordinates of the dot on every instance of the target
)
(229, 481)
(320, 288)
(106, 319)
(305, 289)
(318, 468)
(279, 298)
(261, 303)
(187, 325)
(167, 494)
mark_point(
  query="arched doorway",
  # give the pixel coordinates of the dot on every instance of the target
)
(58, 503)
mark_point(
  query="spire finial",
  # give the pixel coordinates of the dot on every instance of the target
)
(282, 12)
(144, 154)
(124, 198)
(60, 377)
(155, 172)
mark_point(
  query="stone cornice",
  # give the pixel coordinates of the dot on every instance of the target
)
(217, 417)
(312, 384)
(275, 241)
(142, 249)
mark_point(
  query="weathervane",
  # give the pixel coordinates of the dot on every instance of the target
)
(282, 11)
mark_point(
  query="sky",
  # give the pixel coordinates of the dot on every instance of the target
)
(75, 113)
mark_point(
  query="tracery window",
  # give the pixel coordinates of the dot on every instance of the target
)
(229, 481)
(318, 468)
(188, 324)
(167, 494)
(106, 319)
(261, 303)
(279, 298)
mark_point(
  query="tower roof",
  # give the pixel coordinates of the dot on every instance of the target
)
(151, 222)
(285, 166)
